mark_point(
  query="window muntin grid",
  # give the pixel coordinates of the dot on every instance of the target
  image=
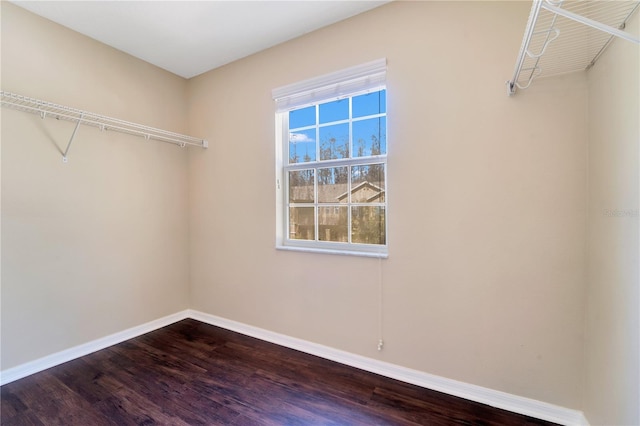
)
(335, 172)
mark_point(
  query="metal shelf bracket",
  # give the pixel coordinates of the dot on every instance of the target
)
(73, 135)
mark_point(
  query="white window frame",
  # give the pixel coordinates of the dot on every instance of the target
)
(347, 83)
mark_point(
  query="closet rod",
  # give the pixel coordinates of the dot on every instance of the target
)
(60, 112)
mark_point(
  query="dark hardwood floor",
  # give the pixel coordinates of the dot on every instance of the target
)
(195, 373)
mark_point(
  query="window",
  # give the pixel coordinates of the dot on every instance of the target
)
(331, 139)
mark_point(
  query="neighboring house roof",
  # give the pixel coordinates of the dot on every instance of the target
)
(364, 192)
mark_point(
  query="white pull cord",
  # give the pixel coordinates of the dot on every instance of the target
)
(380, 305)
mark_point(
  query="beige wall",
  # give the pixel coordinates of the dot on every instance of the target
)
(97, 245)
(485, 282)
(485, 278)
(613, 301)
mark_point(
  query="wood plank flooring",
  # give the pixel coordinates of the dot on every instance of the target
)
(191, 373)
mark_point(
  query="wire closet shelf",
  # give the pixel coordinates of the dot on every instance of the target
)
(60, 112)
(569, 35)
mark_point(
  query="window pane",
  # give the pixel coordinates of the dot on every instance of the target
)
(367, 184)
(370, 137)
(302, 146)
(367, 225)
(302, 117)
(334, 142)
(332, 184)
(332, 224)
(369, 104)
(334, 111)
(301, 186)
(301, 223)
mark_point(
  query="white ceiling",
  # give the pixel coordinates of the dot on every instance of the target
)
(188, 38)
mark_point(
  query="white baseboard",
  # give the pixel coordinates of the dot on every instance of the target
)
(23, 370)
(494, 398)
(498, 399)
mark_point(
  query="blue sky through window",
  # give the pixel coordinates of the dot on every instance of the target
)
(370, 104)
(334, 111)
(302, 117)
(334, 141)
(369, 136)
(302, 146)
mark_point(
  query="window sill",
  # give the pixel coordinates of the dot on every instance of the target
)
(379, 255)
